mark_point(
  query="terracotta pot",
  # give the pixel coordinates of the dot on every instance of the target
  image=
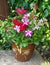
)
(23, 54)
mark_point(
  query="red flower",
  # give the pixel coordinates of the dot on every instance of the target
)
(16, 22)
(23, 27)
(19, 25)
(19, 11)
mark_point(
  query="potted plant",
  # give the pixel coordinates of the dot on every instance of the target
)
(25, 31)
(29, 30)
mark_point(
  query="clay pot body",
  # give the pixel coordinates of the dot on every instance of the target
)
(23, 54)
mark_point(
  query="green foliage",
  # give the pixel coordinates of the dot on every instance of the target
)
(43, 11)
(8, 34)
(48, 35)
(39, 35)
(43, 6)
(12, 2)
(5, 27)
(46, 63)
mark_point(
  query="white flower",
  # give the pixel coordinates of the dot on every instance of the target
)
(36, 27)
(40, 22)
(17, 28)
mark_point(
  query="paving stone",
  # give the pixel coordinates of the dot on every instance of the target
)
(8, 58)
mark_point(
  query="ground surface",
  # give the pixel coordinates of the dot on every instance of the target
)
(7, 58)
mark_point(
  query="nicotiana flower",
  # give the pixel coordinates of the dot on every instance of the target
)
(40, 22)
(28, 33)
(25, 18)
(20, 11)
(36, 27)
(17, 28)
(45, 21)
(26, 23)
(27, 15)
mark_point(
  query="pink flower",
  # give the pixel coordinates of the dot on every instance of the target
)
(17, 28)
(35, 18)
(27, 15)
(36, 6)
(25, 18)
(19, 11)
(28, 33)
(26, 23)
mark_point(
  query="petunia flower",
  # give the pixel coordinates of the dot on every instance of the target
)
(28, 33)
(19, 11)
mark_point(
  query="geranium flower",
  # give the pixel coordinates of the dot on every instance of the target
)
(16, 22)
(19, 11)
(28, 33)
(17, 28)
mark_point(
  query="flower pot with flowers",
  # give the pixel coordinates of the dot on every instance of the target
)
(24, 31)
(29, 30)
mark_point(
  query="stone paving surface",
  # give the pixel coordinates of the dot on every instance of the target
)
(8, 58)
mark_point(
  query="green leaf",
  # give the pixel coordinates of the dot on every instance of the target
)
(36, 43)
(21, 45)
(12, 2)
(46, 13)
(31, 5)
(48, 7)
(26, 1)
(25, 44)
(0, 40)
